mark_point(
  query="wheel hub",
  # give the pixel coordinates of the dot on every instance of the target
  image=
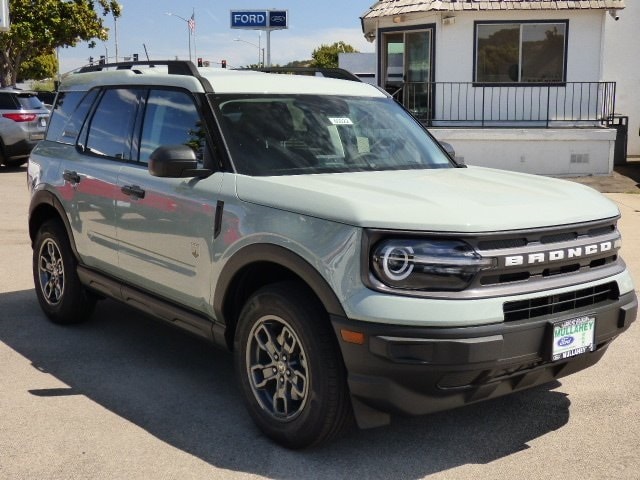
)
(277, 368)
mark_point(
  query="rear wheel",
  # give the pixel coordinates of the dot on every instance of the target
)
(60, 293)
(290, 368)
(14, 163)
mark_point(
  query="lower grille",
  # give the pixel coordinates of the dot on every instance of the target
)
(554, 304)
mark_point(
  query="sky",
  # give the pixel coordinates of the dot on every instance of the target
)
(145, 22)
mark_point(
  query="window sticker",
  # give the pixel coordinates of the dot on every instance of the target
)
(340, 121)
(363, 145)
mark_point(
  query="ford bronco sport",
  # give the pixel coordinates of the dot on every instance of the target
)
(315, 229)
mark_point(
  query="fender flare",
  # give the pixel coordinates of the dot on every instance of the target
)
(45, 197)
(259, 253)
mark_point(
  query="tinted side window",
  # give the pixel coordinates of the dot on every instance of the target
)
(110, 129)
(68, 116)
(171, 118)
(7, 102)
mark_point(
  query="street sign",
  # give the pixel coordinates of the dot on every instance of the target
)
(259, 19)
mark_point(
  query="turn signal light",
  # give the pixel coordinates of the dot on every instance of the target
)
(350, 336)
(20, 117)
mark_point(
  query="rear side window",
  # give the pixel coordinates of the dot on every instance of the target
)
(111, 127)
(68, 116)
(7, 102)
(29, 101)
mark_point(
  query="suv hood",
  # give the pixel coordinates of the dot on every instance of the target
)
(473, 199)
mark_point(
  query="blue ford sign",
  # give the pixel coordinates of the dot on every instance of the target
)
(249, 19)
(259, 19)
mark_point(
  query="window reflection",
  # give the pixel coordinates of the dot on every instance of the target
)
(111, 126)
(527, 53)
(288, 135)
(171, 118)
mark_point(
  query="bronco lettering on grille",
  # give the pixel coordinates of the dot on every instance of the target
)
(558, 255)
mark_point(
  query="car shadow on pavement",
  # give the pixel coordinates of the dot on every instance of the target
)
(183, 392)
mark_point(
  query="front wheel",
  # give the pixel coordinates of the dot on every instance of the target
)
(60, 293)
(290, 367)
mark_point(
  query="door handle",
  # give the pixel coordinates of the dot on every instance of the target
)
(133, 191)
(71, 176)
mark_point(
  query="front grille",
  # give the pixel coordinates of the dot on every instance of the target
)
(537, 255)
(560, 237)
(566, 302)
(502, 243)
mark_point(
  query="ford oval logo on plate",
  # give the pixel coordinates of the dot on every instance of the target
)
(574, 336)
(565, 341)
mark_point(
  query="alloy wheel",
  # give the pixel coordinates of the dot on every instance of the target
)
(51, 272)
(277, 368)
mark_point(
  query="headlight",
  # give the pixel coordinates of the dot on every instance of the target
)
(419, 264)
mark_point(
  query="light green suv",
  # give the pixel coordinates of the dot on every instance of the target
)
(318, 231)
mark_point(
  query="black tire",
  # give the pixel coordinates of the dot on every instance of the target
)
(15, 163)
(290, 368)
(61, 295)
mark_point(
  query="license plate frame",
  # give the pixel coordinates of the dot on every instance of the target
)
(572, 337)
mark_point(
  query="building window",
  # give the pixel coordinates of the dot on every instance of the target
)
(521, 52)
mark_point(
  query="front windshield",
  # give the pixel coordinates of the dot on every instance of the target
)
(303, 134)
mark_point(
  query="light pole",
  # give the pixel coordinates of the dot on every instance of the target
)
(188, 28)
(115, 29)
(260, 50)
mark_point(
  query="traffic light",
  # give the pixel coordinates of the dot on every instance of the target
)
(91, 60)
(224, 63)
(199, 61)
(102, 60)
(135, 57)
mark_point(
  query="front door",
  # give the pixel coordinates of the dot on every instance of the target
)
(166, 225)
(407, 68)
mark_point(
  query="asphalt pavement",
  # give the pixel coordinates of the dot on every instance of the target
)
(124, 397)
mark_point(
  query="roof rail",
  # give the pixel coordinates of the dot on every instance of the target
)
(339, 73)
(175, 67)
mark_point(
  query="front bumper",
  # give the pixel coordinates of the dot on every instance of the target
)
(419, 370)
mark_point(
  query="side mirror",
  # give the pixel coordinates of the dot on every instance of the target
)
(175, 161)
(449, 149)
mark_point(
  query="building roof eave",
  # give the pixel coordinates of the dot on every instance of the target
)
(387, 8)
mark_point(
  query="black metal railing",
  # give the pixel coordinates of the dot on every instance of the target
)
(465, 104)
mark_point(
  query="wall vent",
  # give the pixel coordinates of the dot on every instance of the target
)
(579, 158)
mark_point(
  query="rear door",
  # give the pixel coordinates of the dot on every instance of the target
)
(91, 143)
(103, 146)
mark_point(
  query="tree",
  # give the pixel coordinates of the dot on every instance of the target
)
(38, 68)
(299, 63)
(326, 56)
(38, 28)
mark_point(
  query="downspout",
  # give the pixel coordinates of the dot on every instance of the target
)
(603, 28)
